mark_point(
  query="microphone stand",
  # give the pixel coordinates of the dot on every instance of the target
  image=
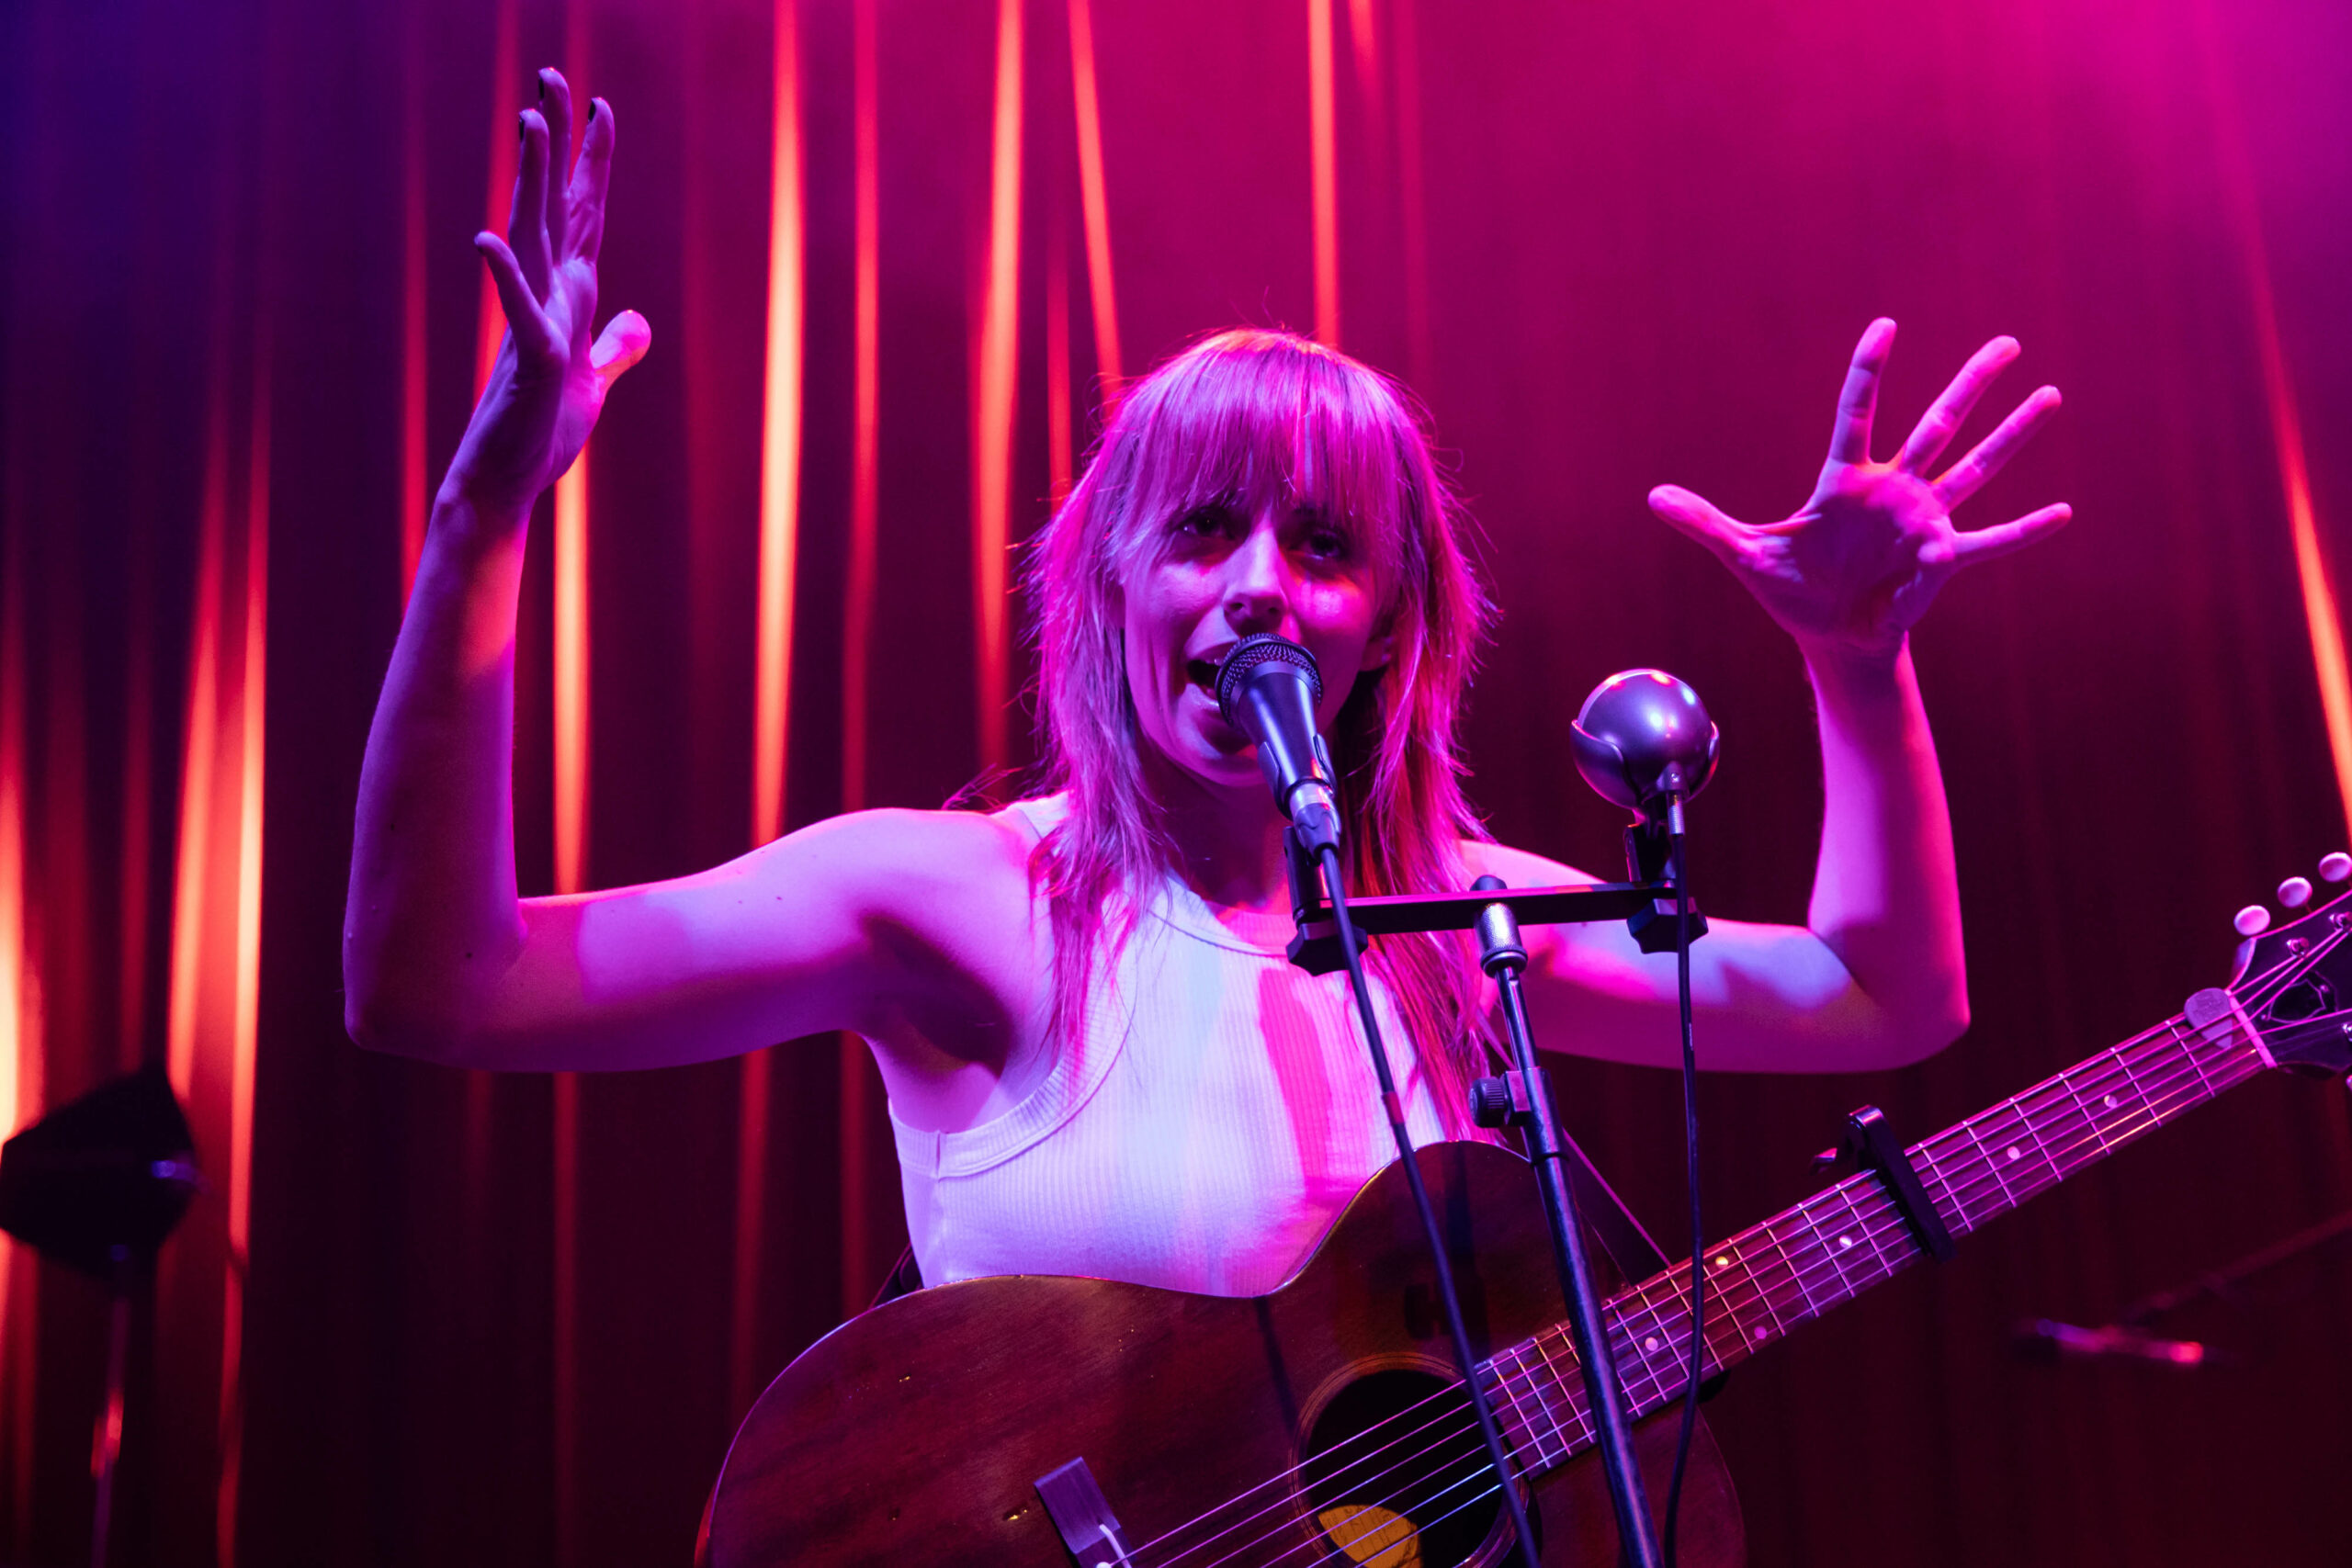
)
(1504, 958)
(1498, 1451)
(1331, 937)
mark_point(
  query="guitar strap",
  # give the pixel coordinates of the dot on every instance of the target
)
(1621, 1236)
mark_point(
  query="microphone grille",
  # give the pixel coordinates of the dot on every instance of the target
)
(1252, 652)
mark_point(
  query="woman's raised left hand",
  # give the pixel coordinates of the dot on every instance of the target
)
(1860, 561)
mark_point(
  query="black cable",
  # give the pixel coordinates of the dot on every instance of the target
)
(1691, 1162)
(1507, 1480)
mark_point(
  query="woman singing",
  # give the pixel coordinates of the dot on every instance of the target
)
(1098, 1060)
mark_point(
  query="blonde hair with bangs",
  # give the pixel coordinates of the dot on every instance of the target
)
(1228, 420)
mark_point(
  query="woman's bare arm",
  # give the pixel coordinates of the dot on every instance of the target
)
(909, 927)
(1877, 976)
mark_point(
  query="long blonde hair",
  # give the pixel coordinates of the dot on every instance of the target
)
(1221, 422)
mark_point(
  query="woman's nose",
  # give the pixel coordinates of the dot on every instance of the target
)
(1257, 589)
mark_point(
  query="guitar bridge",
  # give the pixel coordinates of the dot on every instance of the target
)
(1083, 1515)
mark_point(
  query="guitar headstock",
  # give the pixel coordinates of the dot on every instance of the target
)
(2295, 982)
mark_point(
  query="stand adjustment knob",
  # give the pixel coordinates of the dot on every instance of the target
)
(1500, 1100)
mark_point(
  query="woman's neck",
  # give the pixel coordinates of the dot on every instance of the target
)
(1228, 844)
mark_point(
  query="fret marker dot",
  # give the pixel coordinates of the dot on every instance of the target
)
(2111, 1103)
(1845, 1241)
(1651, 1343)
(1723, 1262)
(2013, 1152)
(1762, 1335)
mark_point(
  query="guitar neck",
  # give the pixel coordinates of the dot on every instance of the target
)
(1797, 1265)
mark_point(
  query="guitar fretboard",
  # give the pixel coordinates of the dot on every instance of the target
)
(1840, 1242)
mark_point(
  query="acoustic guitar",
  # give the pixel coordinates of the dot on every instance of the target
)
(1034, 1421)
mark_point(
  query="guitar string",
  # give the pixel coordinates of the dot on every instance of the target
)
(1280, 1507)
(2165, 1096)
(1965, 1189)
(1971, 1177)
(1582, 1435)
(1964, 1192)
(1484, 1472)
(1400, 1501)
(2167, 1090)
(1791, 1290)
(1968, 1181)
(1403, 1501)
(1392, 1503)
(1744, 1294)
(1529, 1379)
(1434, 1446)
(2163, 1101)
(1751, 1288)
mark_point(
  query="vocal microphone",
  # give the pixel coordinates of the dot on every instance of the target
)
(1642, 740)
(1268, 688)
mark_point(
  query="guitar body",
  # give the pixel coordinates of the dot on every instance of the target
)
(1218, 1429)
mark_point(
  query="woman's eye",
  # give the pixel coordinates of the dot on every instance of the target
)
(1327, 543)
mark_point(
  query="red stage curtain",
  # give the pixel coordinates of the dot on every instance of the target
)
(1610, 246)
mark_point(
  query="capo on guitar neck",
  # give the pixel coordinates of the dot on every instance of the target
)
(1870, 1139)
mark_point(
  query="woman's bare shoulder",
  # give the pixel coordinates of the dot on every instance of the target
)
(1520, 868)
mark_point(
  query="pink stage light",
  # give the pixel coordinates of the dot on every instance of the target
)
(865, 478)
(779, 440)
(2321, 617)
(1324, 158)
(413, 300)
(866, 397)
(1093, 204)
(779, 562)
(993, 403)
(489, 322)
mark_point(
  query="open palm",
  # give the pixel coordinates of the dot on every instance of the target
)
(1860, 562)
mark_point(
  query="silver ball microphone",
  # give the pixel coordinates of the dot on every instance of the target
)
(1642, 740)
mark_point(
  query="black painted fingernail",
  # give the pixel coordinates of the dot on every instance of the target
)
(522, 127)
(542, 81)
(592, 110)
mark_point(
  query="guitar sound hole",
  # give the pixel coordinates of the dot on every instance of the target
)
(1397, 1475)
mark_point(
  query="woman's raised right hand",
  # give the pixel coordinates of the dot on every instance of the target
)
(548, 382)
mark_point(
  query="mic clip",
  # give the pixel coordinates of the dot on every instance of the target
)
(1319, 954)
(1649, 857)
(1312, 805)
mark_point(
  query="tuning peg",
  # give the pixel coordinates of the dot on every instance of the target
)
(2334, 867)
(2252, 920)
(2294, 893)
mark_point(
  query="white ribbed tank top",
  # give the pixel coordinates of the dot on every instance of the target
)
(1214, 1115)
